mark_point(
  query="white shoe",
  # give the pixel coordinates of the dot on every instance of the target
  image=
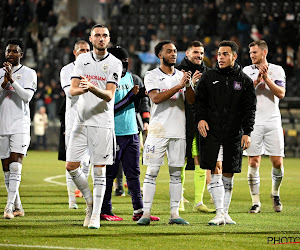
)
(228, 220)
(94, 222)
(87, 219)
(8, 214)
(19, 212)
(218, 220)
(73, 205)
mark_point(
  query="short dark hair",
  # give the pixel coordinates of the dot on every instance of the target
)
(195, 44)
(234, 47)
(159, 46)
(260, 43)
(98, 26)
(16, 41)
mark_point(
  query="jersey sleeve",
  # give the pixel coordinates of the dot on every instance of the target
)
(115, 73)
(151, 82)
(31, 81)
(65, 81)
(279, 78)
(78, 68)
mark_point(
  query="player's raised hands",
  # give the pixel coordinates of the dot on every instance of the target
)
(263, 71)
(85, 84)
(196, 76)
(8, 71)
(185, 79)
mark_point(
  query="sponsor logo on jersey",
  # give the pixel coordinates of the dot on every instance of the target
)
(115, 76)
(94, 77)
(237, 85)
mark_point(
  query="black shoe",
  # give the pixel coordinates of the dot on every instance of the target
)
(255, 209)
(119, 192)
(276, 204)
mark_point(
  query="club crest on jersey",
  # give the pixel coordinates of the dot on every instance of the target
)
(115, 76)
(105, 66)
(237, 85)
(18, 76)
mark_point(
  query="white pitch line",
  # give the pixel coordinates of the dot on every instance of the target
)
(50, 180)
(46, 247)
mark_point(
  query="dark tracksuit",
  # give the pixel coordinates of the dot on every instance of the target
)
(191, 126)
(226, 100)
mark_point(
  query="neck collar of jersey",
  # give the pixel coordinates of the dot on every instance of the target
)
(168, 74)
(94, 56)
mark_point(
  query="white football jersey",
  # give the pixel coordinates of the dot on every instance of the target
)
(92, 110)
(71, 101)
(267, 107)
(167, 119)
(14, 112)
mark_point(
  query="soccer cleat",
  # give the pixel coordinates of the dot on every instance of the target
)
(178, 221)
(119, 192)
(204, 209)
(136, 217)
(73, 206)
(19, 212)
(218, 220)
(228, 220)
(110, 217)
(8, 214)
(276, 203)
(143, 221)
(94, 222)
(78, 193)
(255, 209)
(88, 215)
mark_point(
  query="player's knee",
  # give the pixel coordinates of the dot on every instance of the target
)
(15, 167)
(72, 165)
(254, 162)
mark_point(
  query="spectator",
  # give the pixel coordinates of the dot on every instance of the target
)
(40, 123)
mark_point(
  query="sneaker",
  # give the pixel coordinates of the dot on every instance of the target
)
(73, 206)
(178, 221)
(78, 193)
(276, 204)
(143, 221)
(255, 209)
(87, 219)
(18, 212)
(94, 222)
(204, 209)
(136, 217)
(218, 220)
(110, 217)
(119, 192)
(228, 220)
(8, 214)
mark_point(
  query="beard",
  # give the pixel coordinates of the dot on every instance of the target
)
(100, 48)
(167, 63)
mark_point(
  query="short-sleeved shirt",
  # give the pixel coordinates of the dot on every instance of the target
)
(14, 112)
(125, 119)
(92, 110)
(167, 119)
(267, 107)
(71, 101)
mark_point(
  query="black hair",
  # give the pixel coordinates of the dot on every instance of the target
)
(195, 44)
(159, 46)
(98, 26)
(234, 47)
(16, 41)
(118, 52)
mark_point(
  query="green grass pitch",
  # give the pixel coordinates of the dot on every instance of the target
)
(49, 224)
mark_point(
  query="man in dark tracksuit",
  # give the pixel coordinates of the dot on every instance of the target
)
(193, 61)
(224, 109)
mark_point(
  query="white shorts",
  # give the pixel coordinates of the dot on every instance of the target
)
(100, 143)
(86, 158)
(17, 143)
(266, 140)
(155, 149)
(220, 154)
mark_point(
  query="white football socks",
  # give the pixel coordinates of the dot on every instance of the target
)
(15, 169)
(70, 187)
(149, 189)
(228, 186)
(254, 184)
(277, 176)
(217, 191)
(99, 189)
(175, 190)
(82, 184)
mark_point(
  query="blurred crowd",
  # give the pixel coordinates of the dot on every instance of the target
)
(138, 25)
